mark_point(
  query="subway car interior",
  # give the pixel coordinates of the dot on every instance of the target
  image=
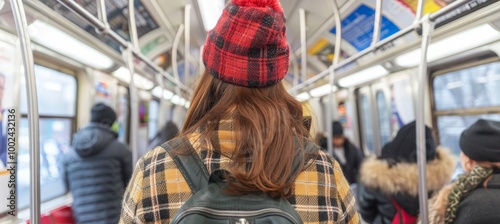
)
(373, 65)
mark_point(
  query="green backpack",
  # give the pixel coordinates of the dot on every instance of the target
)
(211, 205)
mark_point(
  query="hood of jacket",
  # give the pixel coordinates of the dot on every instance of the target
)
(403, 177)
(92, 139)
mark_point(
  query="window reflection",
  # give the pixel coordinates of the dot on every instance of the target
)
(55, 139)
(56, 93)
(383, 118)
(367, 123)
(470, 87)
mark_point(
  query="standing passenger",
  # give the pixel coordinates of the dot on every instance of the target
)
(475, 196)
(389, 183)
(348, 155)
(97, 169)
(243, 120)
(166, 133)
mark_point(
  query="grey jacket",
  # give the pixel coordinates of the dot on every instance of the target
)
(97, 171)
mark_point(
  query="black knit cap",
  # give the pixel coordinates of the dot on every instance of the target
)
(403, 148)
(337, 129)
(100, 113)
(481, 141)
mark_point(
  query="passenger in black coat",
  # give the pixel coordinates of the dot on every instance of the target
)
(348, 155)
(475, 196)
(97, 169)
(393, 176)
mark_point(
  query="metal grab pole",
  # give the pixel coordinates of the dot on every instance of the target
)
(427, 28)
(187, 39)
(128, 57)
(376, 25)
(175, 46)
(132, 25)
(303, 43)
(336, 56)
(295, 66)
(27, 55)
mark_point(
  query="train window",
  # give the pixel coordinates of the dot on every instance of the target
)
(368, 137)
(470, 87)
(55, 136)
(383, 118)
(463, 96)
(57, 109)
(451, 127)
(56, 93)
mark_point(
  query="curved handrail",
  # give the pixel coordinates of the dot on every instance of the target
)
(27, 56)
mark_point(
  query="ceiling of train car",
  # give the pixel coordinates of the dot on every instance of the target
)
(318, 12)
(159, 20)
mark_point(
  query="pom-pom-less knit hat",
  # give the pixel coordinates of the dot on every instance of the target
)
(403, 148)
(481, 141)
(248, 45)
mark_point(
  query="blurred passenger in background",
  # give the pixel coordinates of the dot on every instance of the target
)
(389, 183)
(348, 155)
(167, 132)
(97, 169)
(321, 140)
(475, 196)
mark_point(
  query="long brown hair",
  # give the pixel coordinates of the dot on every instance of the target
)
(267, 123)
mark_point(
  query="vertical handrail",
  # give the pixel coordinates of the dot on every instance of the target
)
(161, 83)
(427, 29)
(376, 24)
(420, 10)
(187, 39)
(175, 47)
(336, 56)
(128, 57)
(303, 43)
(134, 102)
(102, 15)
(132, 25)
(27, 55)
(295, 66)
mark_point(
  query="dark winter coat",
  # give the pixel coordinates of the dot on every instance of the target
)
(479, 206)
(380, 182)
(96, 171)
(353, 157)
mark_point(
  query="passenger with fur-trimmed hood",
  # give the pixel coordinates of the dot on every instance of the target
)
(391, 179)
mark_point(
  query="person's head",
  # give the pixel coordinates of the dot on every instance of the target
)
(403, 148)
(168, 131)
(102, 114)
(480, 145)
(246, 56)
(321, 140)
(338, 138)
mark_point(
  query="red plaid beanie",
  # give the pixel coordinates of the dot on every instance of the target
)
(248, 45)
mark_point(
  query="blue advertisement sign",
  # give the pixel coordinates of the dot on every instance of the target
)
(357, 28)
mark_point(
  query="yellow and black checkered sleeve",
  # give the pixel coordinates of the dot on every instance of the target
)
(350, 213)
(133, 195)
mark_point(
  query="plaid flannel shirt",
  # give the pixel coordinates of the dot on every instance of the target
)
(158, 189)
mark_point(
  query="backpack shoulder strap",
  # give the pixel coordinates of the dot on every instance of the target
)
(191, 166)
